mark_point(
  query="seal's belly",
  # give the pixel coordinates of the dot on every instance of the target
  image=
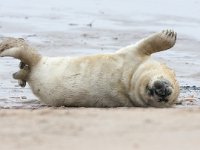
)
(78, 85)
(75, 92)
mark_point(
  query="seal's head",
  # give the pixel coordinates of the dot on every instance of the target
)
(154, 84)
(161, 92)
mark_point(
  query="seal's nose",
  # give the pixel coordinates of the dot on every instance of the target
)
(162, 88)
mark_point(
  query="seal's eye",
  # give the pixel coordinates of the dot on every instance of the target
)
(149, 90)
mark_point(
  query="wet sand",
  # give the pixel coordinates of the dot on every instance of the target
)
(82, 28)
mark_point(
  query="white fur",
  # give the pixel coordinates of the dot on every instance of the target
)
(81, 81)
(105, 80)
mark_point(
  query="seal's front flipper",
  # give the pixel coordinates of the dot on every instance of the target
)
(157, 42)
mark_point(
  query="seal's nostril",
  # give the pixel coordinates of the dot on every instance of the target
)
(160, 92)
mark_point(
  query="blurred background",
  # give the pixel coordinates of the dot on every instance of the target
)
(74, 28)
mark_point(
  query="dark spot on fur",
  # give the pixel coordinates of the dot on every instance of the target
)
(21, 39)
(4, 47)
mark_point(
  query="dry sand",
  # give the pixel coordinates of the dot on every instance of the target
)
(88, 129)
(62, 28)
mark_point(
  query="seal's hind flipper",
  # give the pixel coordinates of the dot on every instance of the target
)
(22, 74)
(18, 48)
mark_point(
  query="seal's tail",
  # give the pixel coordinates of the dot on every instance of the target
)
(18, 48)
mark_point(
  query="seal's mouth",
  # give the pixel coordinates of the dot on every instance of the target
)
(160, 90)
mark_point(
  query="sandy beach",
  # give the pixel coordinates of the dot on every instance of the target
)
(84, 128)
(74, 28)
